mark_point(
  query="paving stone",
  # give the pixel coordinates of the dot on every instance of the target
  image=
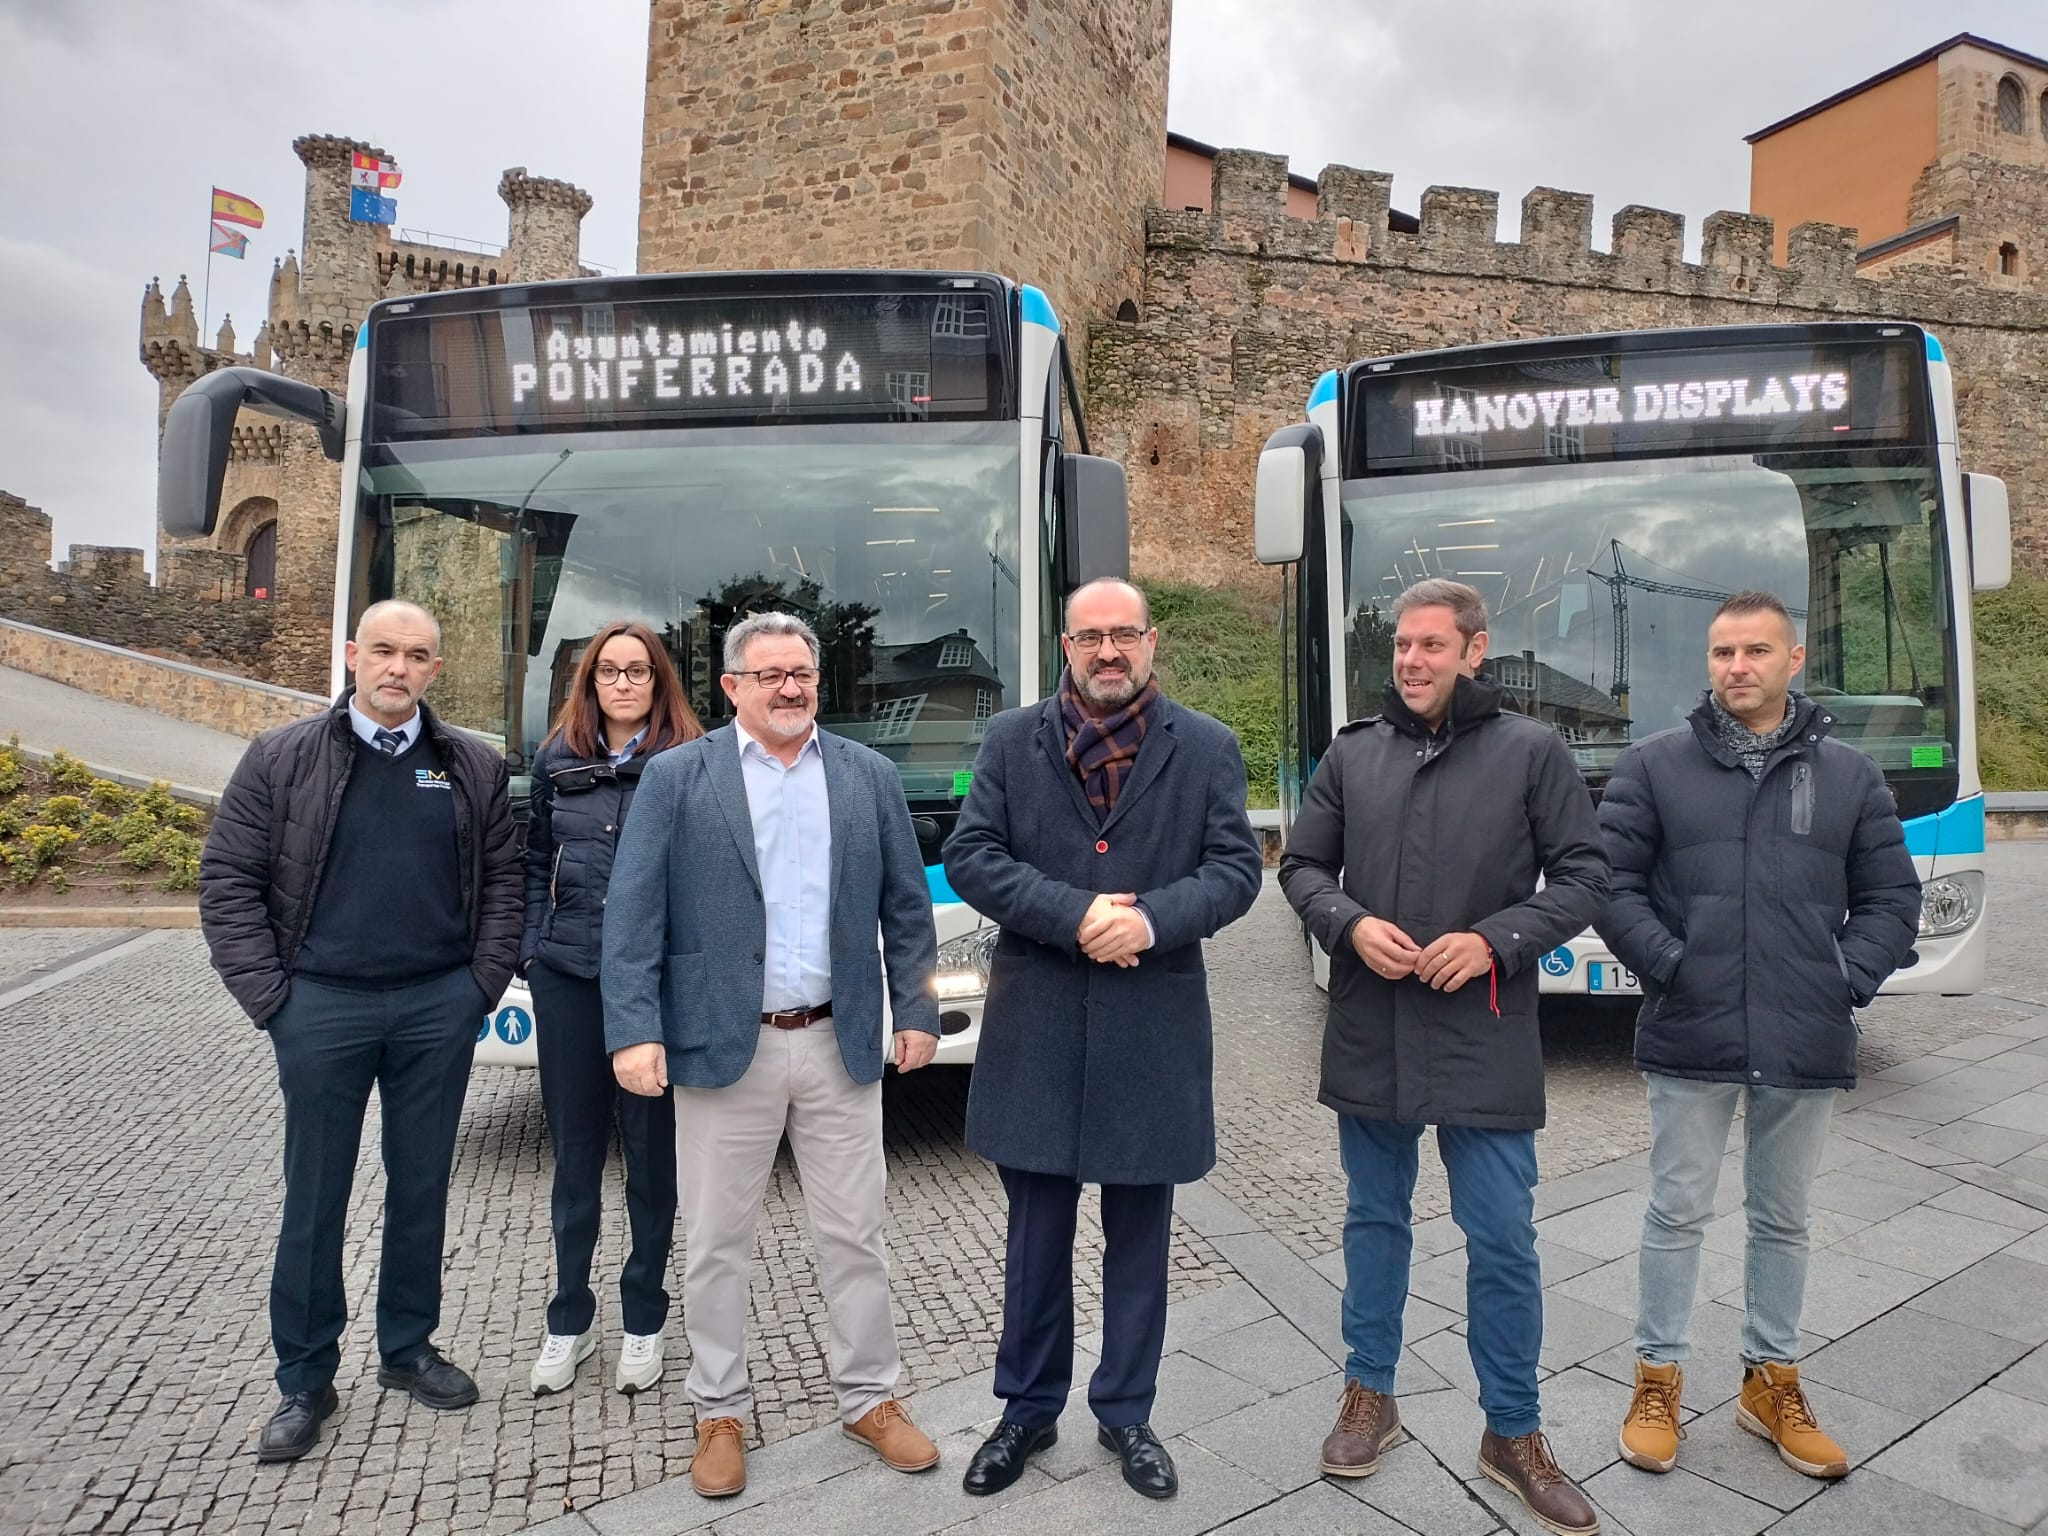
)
(2022, 1112)
(1714, 1373)
(1212, 1492)
(1970, 1200)
(2002, 1294)
(1919, 1070)
(1871, 1504)
(1574, 1331)
(1576, 1189)
(1561, 1263)
(1913, 1171)
(1718, 1448)
(2033, 1248)
(1271, 1355)
(1605, 1228)
(1844, 1291)
(1422, 1492)
(872, 1498)
(2014, 1069)
(1729, 1234)
(1912, 1356)
(1209, 1211)
(1677, 1501)
(1938, 1103)
(1294, 1290)
(1318, 1507)
(1440, 1280)
(1613, 1286)
(2028, 1378)
(1439, 1234)
(1989, 1453)
(1279, 1440)
(1926, 1241)
(1208, 1314)
(1193, 1392)
(1976, 1048)
(1449, 1357)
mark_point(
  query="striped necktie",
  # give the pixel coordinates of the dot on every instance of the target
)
(388, 742)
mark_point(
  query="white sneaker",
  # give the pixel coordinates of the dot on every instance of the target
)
(639, 1362)
(560, 1354)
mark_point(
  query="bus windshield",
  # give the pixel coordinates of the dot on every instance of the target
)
(1602, 578)
(896, 542)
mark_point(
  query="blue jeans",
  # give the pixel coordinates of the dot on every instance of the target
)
(1493, 1179)
(1788, 1128)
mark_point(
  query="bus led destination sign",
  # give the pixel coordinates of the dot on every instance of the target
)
(721, 363)
(1647, 401)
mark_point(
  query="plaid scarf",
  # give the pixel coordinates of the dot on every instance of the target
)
(1103, 750)
(1753, 747)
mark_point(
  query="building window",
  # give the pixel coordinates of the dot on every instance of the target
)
(894, 719)
(984, 706)
(956, 653)
(2008, 260)
(2012, 105)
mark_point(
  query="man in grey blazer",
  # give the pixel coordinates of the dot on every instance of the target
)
(1106, 832)
(740, 967)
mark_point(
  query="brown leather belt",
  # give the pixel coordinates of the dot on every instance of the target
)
(797, 1018)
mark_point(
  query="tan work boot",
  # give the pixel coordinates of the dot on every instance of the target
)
(900, 1443)
(719, 1469)
(1650, 1434)
(1773, 1406)
(1367, 1424)
(1524, 1466)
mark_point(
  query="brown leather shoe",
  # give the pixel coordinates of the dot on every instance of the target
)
(900, 1443)
(1368, 1423)
(719, 1469)
(1525, 1467)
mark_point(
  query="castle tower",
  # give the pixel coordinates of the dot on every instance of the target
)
(544, 226)
(1023, 138)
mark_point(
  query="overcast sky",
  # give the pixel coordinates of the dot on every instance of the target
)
(122, 114)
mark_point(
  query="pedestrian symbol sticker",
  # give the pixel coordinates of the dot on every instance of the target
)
(514, 1025)
(1558, 962)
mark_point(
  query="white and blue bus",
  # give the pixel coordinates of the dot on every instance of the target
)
(1604, 493)
(886, 454)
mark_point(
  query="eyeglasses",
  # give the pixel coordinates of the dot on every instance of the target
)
(637, 674)
(1127, 638)
(771, 678)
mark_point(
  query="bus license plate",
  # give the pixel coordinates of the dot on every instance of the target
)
(1610, 976)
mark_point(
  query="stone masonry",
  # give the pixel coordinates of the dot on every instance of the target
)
(1024, 137)
(1243, 307)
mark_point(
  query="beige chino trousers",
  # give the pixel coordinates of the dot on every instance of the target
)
(726, 1140)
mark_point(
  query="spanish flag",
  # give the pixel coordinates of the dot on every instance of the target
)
(232, 209)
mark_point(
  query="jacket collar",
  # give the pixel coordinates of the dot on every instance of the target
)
(1809, 724)
(1472, 700)
(431, 724)
(1152, 756)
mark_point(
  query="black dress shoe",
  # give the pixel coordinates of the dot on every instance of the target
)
(430, 1379)
(295, 1428)
(1000, 1461)
(1147, 1467)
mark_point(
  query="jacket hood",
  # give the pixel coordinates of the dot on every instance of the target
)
(1472, 700)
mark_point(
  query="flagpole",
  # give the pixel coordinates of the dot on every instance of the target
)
(206, 302)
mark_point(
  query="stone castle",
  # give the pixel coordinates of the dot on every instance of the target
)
(1028, 137)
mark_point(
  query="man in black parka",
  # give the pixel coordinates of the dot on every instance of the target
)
(360, 896)
(1414, 863)
(1762, 891)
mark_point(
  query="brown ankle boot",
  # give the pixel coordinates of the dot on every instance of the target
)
(719, 1469)
(1367, 1424)
(1774, 1406)
(1525, 1467)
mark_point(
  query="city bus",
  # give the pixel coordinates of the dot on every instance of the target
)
(1604, 493)
(898, 457)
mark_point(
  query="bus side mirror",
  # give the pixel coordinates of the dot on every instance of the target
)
(200, 431)
(1096, 523)
(1989, 520)
(1290, 476)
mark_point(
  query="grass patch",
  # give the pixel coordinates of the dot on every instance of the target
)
(1219, 652)
(2012, 696)
(61, 829)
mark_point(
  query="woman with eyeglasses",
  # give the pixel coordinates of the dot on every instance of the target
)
(625, 705)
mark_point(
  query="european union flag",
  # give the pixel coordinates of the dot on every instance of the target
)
(366, 207)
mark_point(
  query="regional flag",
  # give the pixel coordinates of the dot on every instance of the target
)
(226, 242)
(372, 174)
(232, 209)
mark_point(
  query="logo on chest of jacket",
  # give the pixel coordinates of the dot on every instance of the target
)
(430, 778)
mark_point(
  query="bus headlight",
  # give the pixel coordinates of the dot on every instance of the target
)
(964, 964)
(1950, 904)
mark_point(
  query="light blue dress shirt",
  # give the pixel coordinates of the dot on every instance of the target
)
(628, 749)
(367, 729)
(793, 847)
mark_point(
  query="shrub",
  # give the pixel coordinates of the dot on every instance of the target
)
(12, 819)
(157, 801)
(36, 846)
(68, 771)
(109, 796)
(11, 771)
(2012, 707)
(1219, 652)
(99, 830)
(64, 811)
(136, 828)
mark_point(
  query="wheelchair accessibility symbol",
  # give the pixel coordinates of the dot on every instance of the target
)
(514, 1025)
(1558, 962)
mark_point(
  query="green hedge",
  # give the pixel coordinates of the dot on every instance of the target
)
(2012, 685)
(1219, 652)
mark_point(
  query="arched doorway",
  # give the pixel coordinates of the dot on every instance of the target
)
(260, 569)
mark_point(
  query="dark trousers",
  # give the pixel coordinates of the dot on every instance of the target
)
(1035, 1361)
(1493, 1182)
(580, 1096)
(332, 1043)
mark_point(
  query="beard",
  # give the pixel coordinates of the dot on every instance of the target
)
(788, 724)
(1110, 692)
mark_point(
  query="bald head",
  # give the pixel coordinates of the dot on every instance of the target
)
(412, 615)
(1089, 593)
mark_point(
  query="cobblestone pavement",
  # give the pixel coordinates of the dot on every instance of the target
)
(140, 1203)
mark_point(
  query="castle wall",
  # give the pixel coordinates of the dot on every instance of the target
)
(1243, 309)
(1016, 136)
